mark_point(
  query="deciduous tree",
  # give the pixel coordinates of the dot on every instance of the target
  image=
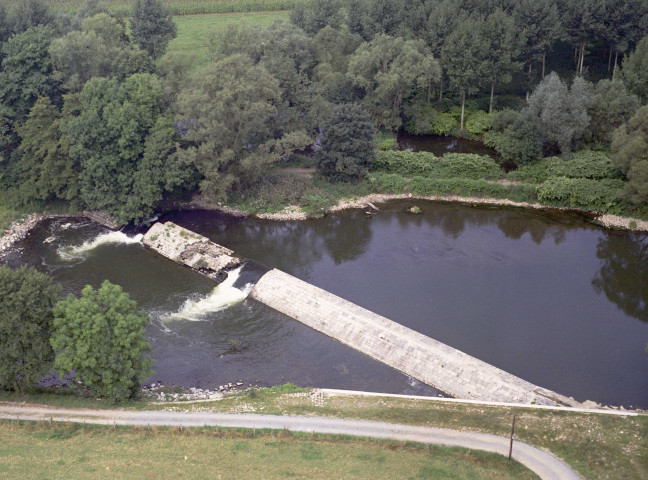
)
(152, 26)
(27, 299)
(124, 141)
(346, 149)
(630, 148)
(100, 337)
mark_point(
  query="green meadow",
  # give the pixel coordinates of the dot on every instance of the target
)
(194, 30)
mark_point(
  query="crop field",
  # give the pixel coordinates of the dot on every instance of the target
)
(177, 7)
(193, 30)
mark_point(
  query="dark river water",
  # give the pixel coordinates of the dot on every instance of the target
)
(440, 145)
(545, 296)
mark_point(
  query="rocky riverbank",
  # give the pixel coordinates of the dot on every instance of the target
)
(19, 230)
(293, 212)
(163, 392)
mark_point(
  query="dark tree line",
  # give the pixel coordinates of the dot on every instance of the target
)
(94, 114)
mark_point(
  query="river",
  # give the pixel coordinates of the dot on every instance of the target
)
(546, 296)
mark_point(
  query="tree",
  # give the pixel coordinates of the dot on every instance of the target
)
(152, 26)
(611, 106)
(463, 57)
(100, 49)
(635, 70)
(124, 141)
(346, 151)
(27, 71)
(100, 337)
(500, 34)
(584, 22)
(562, 112)
(388, 69)
(28, 14)
(630, 148)
(625, 23)
(47, 171)
(27, 299)
(316, 15)
(540, 25)
(517, 137)
(231, 125)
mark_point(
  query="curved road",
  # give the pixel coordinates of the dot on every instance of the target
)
(544, 464)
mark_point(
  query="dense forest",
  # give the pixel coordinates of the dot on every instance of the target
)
(95, 115)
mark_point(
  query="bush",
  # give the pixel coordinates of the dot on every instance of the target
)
(457, 186)
(478, 122)
(584, 193)
(316, 205)
(451, 165)
(385, 140)
(389, 182)
(443, 123)
(583, 164)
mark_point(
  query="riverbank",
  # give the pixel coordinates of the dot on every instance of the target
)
(294, 212)
(20, 229)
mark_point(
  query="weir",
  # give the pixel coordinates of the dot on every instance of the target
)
(430, 361)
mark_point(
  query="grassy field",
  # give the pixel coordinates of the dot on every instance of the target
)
(598, 446)
(177, 7)
(193, 30)
(39, 451)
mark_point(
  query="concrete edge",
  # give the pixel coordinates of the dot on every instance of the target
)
(331, 392)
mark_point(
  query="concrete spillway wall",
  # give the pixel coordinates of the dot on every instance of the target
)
(421, 357)
(191, 249)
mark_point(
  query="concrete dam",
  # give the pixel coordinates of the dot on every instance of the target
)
(423, 358)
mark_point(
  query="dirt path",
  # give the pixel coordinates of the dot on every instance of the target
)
(542, 463)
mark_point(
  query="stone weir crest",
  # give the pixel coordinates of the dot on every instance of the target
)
(430, 361)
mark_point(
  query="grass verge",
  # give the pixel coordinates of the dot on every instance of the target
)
(39, 450)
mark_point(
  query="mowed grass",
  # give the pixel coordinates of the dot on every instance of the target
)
(60, 451)
(177, 7)
(194, 30)
(598, 446)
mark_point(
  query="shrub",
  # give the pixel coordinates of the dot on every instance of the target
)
(462, 165)
(478, 122)
(443, 123)
(385, 140)
(583, 164)
(457, 186)
(389, 182)
(316, 205)
(585, 193)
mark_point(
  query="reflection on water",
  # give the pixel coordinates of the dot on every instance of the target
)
(623, 276)
(511, 287)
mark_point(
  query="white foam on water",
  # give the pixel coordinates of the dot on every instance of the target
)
(75, 252)
(223, 296)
